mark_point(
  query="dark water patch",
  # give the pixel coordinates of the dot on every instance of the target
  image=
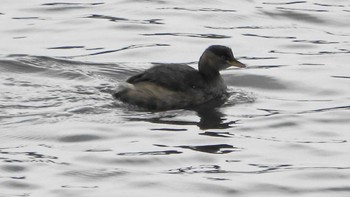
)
(340, 51)
(18, 185)
(337, 189)
(311, 64)
(207, 169)
(14, 178)
(93, 49)
(192, 35)
(213, 149)
(315, 41)
(285, 3)
(79, 187)
(67, 47)
(19, 37)
(42, 161)
(118, 19)
(157, 2)
(169, 129)
(328, 5)
(199, 10)
(293, 15)
(217, 134)
(274, 37)
(135, 161)
(62, 6)
(218, 179)
(270, 168)
(341, 77)
(258, 58)
(31, 155)
(13, 168)
(28, 18)
(301, 9)
(325, 109)
(95, 174)
(98, 150)
(283, 124)
(162, 120)
(110, 18)
(79, 138)
(70, 4)
(271, 112)
(252, 27)
(166, 152)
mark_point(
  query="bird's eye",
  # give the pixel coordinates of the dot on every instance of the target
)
(224, 57)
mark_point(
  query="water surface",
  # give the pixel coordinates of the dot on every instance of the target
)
(284, 130)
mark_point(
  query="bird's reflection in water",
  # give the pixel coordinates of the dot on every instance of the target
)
(209, 114)
(211, 117)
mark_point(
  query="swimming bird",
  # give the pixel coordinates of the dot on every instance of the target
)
(174, 86)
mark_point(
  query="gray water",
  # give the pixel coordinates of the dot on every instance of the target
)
(284, 131)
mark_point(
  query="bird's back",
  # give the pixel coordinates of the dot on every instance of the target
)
(177, 77)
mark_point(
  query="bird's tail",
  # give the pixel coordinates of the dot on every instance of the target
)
(121, 89)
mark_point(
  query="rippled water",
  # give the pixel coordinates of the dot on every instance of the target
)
(284, 131)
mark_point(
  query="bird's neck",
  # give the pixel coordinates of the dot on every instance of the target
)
(206, 68)
(209, 74)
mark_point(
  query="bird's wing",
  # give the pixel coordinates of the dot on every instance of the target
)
(177, 77)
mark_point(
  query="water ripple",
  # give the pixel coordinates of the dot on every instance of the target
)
(79, 138)
(94, 174)
(340, 51)
(117, 19)
(199, 10)
(274, 37)
(286, 3)
(61, 6)
(193, 35)
(213, 149)
(215, 169)
(166, 152)
(285, 116)
(289, 14)
(122, 49)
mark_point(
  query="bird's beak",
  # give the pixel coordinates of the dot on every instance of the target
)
(235, 63)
